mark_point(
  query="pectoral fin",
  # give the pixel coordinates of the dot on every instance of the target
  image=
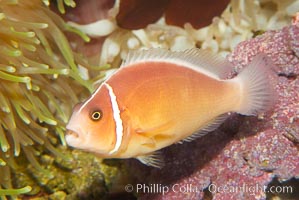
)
(153, 135)
(154, 159)
(160, 129)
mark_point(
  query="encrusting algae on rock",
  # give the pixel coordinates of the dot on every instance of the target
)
(41, 78)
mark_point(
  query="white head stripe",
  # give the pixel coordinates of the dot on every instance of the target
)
(90, 98)
(117, 119)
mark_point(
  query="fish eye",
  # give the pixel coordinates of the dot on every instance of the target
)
(96, 115)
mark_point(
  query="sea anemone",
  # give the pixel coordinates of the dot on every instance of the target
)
(41, 78)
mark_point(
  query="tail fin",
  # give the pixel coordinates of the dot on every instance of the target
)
(257, 83)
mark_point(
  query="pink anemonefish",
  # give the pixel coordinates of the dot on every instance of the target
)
(158, 98)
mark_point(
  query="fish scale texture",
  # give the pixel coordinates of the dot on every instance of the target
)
(245, 152)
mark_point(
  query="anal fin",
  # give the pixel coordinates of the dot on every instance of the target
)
(154, 159)
(211, 126)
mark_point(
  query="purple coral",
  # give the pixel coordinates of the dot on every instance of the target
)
(244, 155)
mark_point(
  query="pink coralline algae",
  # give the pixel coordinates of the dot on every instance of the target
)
(242, 157)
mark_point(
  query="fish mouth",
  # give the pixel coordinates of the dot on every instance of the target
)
(72, 138)
(71, 133)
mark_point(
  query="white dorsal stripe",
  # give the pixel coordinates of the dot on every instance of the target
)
(118, 121)
(199, 60)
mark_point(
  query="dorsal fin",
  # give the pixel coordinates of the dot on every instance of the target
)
(199, 60)
(213, 125)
